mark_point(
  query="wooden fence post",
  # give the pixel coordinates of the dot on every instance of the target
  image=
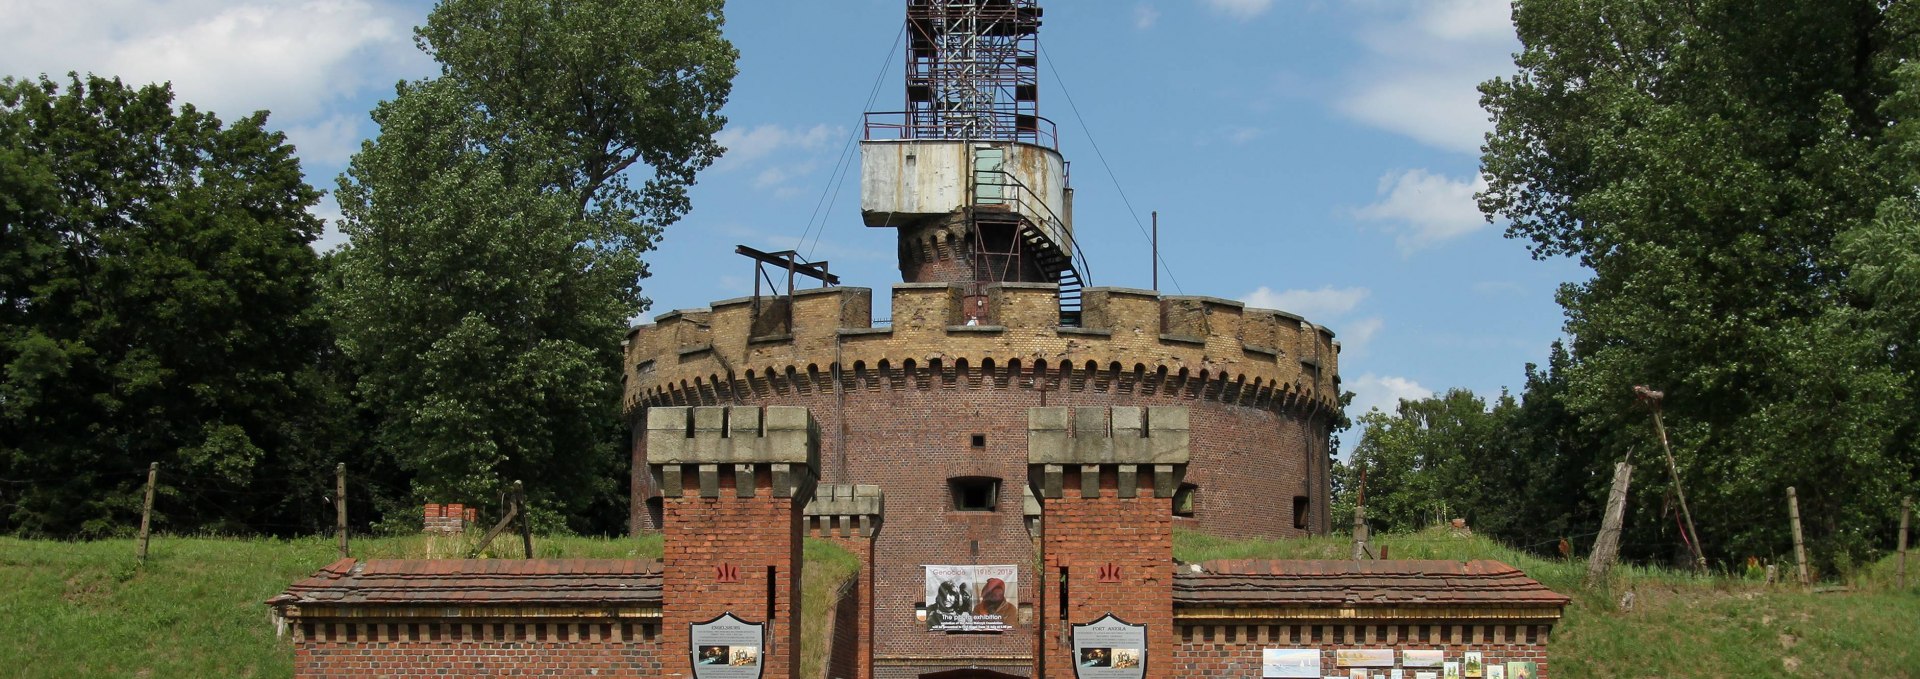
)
(340, 505)
(146, 510)
(1906, 508)
(526, 531)
(1606, 548)
(1799, 544)
(1359, 532)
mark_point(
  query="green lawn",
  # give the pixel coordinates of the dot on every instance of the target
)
(83, 609)
(1681, 625)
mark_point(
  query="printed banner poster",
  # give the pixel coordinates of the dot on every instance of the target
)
(1290, 663)
(1109, 648)
(972, 598)
(1363, 657)
(726, 648)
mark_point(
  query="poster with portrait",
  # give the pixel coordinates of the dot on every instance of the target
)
(726, 648)
(1109, 648)
(1290, 663)
(972, 598)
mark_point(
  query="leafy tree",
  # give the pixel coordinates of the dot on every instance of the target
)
(1704, 159)
(495, 247)
(156, 305)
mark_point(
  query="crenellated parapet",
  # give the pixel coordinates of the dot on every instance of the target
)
(1128, 339)
(781, 442)
(844, 510)
(1133, 444)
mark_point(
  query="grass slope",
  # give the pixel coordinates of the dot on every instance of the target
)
(1680, 625)
(84, 609)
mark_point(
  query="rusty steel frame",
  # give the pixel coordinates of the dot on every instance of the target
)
(972, 70)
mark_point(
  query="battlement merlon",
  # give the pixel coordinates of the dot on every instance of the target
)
(1217, 338)
(1133, 441)
(851, 509)
(784, 440)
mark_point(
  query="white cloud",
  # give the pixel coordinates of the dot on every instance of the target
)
(1241, 9)
(1384, 392)
(329, 142)
(1439, 110)
(1356, 335)
(1422, 208)
(1328, 301)
(747, 145)
(1467, 19)
(1423, 68)
(329, 213)
(1145, 16)
(293, 58)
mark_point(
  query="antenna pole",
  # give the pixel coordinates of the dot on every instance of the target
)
(1156, 250)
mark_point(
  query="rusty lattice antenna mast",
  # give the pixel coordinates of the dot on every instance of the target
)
(972, 70)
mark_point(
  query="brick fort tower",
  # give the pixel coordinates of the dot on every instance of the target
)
(993, 316)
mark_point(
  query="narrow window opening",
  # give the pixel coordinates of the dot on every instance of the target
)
(1184, 500)
(1300, 512)
(979, 440)
(975, 493)
(771, 589)
(1063, 592)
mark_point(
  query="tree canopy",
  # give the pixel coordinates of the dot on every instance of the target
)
(1739, 177)
(156, 294)
(495, 236)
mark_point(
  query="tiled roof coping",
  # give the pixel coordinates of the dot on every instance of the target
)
(479, 582)
(1479, 584)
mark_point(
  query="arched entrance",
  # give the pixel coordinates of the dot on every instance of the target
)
(969, 673)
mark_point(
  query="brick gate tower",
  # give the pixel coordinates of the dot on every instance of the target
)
(994, 315)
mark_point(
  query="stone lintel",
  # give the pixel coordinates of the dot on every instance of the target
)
(1048, 480)
(732, 435)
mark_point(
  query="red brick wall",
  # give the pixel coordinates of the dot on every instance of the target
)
(1083, 536)
(343, 650)
(750, 535)
(910, 432)
(1234, 650)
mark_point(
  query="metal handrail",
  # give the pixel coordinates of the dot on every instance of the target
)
(1076, 258)
(1043, 133)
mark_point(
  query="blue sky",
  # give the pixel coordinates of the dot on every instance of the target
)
(1317, 156)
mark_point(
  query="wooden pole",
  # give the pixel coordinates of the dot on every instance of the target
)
(1606, 548)
(1156, 250)
(1906, 508)
(526, 531)
(146, 509)
(1359, 532)
(340, 505)
(1699, 558)
(1799, 544)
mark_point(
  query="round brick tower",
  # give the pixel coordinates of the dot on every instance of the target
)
(932, 405)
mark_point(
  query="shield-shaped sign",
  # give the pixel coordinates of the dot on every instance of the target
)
(727, 648)
(1109, 648)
